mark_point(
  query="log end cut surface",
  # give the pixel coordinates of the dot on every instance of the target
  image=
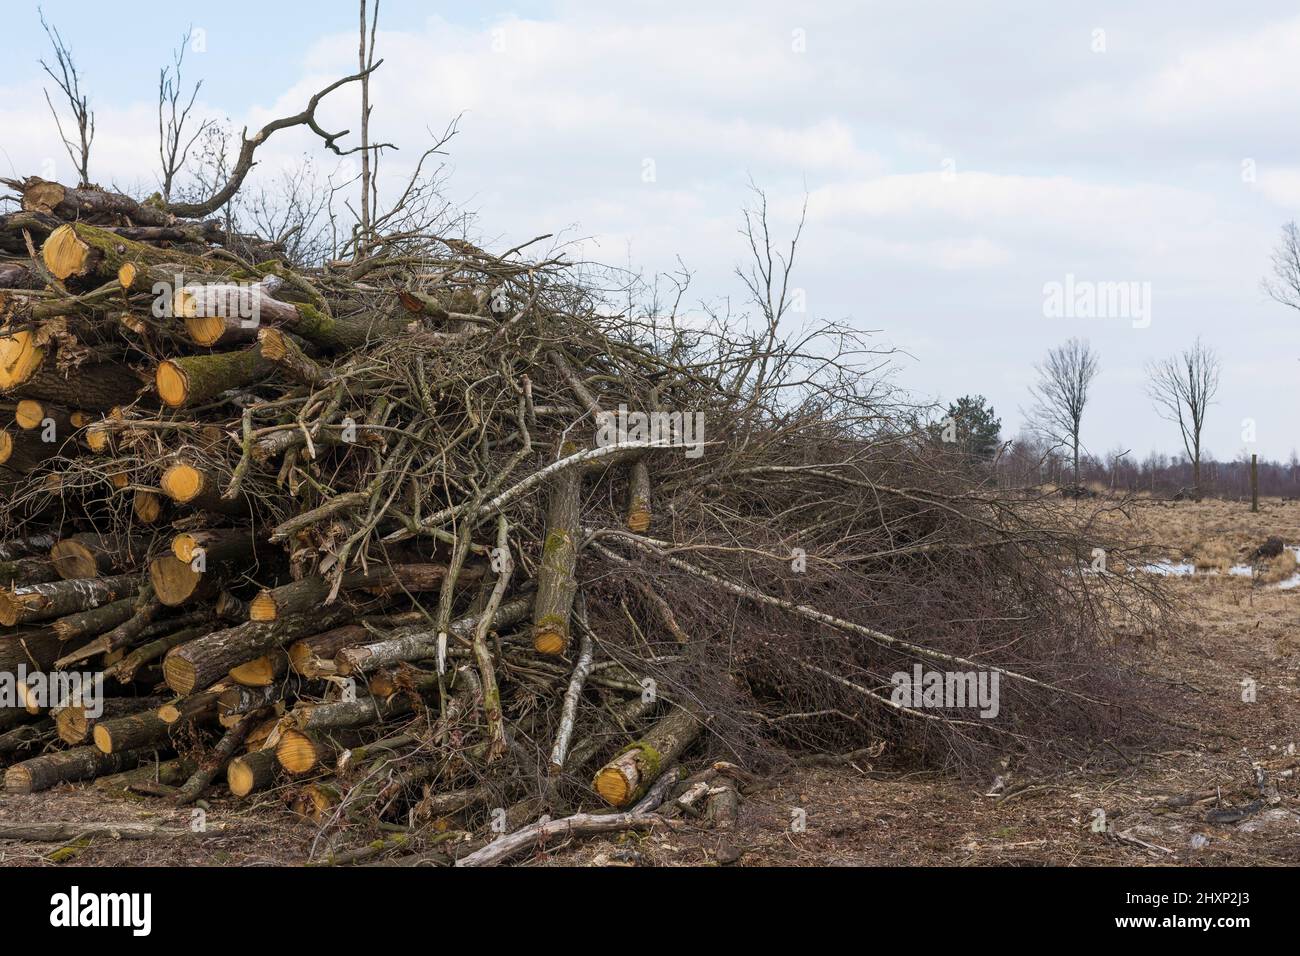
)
(296, 752)
(65, 253)
(173, 384)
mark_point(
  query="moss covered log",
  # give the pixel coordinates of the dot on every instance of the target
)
(625, 777)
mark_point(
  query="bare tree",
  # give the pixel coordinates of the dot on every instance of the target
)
(68, 80)
(366, 63)
(1061, 394)
(1182, 388)
(172, 118)
(1284, 286)
(767, 279)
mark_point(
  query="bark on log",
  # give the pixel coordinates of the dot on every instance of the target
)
(43, 602)
(167, 773)
(125, 670)
(419, 645)
(638, 496)
(26, 738)
(199, 663)
(348, 714)
(196, 379)
(27, 372)
(310, 593)
(539, 834)
(14, 275)
(67, 766)
(95, 621)
(35, 648)
(24, 572)
(88, 204)
(74, 724)
(25, 451)
(556, 584)
(28, 547)
(146, 607)
(129, 732)
(242, 699)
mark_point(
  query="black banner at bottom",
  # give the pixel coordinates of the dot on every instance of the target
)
(141, 908)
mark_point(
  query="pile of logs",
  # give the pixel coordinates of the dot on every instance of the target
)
(435, 540)
(250, 498)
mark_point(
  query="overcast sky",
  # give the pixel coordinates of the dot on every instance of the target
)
(958, 158)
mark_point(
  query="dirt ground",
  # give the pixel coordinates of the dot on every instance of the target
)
(1193, 799)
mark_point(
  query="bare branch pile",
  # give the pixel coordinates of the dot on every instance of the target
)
(437, 541)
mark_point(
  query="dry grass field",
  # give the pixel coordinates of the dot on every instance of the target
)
(1189, 794)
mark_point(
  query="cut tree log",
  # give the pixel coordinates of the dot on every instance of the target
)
(89, 555)
(255, 770)
(301, 751)
(91, 204)
(242, 699)
(196, 379)
(95, 621)
(84, 254)
(625, 777)
(48, 418)
(309, 593)
(349, 714)
(279, 348)
(25, 372)
(304, 320)
(218, 547)
(194, 708)
(42, 602)
(129, 732)
(74, 724)
(67, 766)
(167, 773)
(230, 312)
(200, 663)
(556, 583)
(146, 506)
(422, 644)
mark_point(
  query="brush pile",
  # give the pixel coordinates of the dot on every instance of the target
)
(432, 542)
